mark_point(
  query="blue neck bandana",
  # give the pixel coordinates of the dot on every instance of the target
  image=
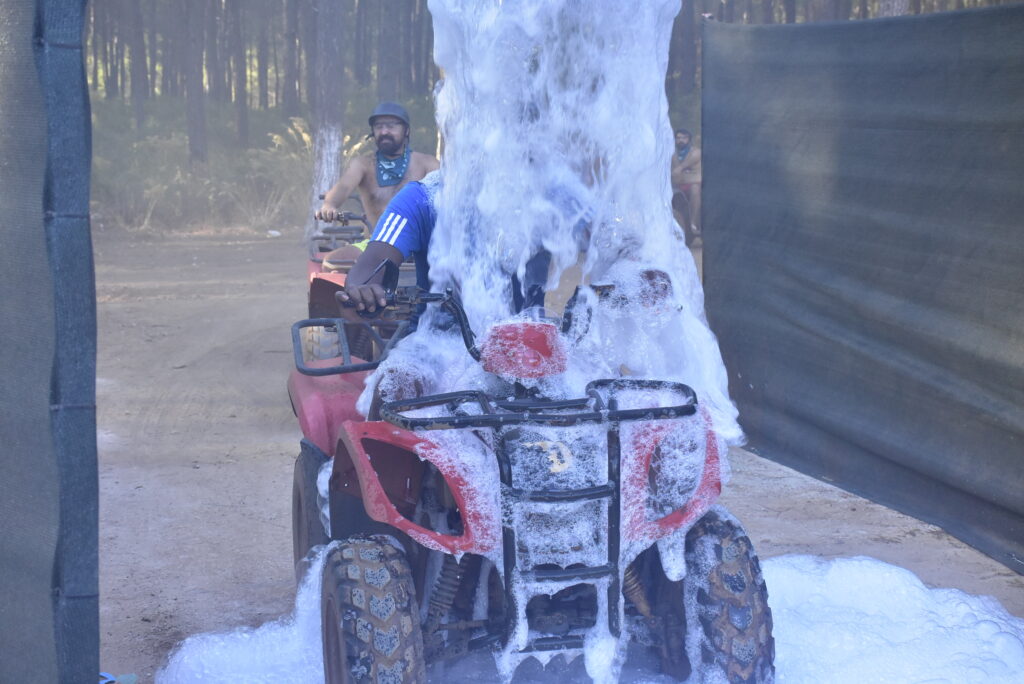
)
(681, 154)
(392, 171)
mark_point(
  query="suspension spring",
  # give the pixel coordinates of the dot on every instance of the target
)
(441, 598)
(633, 588)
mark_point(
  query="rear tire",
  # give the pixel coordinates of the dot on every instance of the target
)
(370, 618)
(307, 527)
(726, 603)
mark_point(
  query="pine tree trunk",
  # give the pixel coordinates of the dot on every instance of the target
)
(195, 95)
(122, 64)
(112, 83)
(150, 23)
(290, 83)
(262, 68)
(310, 21)
(364, 42)
(893, 8)
(417, 70)
(387, 49)
(95, 47)
(789, 6)
(688, 20)
(237, 49)
(139, 73)
(729, 11)
(275, 68)
(216, 60)
(327, 114)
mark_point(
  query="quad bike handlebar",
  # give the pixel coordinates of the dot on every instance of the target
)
(599, 406)
(413, 296)
(345, 218)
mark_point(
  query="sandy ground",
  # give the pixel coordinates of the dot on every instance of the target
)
(197, 442)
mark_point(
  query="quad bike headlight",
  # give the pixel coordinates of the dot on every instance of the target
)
(675, 472)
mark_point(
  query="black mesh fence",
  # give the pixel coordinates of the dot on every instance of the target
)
(864, 257)
(48, 484)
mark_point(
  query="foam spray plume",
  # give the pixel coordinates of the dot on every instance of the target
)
(557, 138)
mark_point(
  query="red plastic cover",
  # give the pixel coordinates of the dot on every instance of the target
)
(524, 349)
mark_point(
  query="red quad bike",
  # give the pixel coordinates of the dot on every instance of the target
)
(505, 521)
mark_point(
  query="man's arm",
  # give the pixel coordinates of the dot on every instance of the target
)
(336, 196)
(692, 160)
(403, 228)
(677, 173)
(363, 283)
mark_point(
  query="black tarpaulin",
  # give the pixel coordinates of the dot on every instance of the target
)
(49, 617)
(864, 257)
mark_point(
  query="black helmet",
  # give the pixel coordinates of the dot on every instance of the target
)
(390, 109)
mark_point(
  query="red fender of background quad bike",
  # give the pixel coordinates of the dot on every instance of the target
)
(323, 403)
(322, 287)
(636, 489)
(313, 268)
(481, 530)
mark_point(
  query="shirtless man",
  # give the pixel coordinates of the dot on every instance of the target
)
(686, 175)
(380, 175)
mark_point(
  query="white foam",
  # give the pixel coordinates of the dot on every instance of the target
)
(842, 621)
(285, 651)
(857, 620)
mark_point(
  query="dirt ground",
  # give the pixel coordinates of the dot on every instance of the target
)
(197, 442)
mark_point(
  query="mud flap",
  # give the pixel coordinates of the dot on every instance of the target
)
(672, 550)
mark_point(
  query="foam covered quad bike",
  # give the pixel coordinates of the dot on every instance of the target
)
(529, 526)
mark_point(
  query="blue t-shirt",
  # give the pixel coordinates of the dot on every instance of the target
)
(407, 224)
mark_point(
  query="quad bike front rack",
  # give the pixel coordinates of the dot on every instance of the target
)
(471, 409)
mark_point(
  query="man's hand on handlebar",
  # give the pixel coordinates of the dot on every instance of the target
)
(330, 213)
(368, 297)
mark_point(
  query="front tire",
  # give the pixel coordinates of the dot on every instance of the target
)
(726, 603)
(370, 618)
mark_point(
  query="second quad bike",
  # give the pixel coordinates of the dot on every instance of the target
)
(510, 518)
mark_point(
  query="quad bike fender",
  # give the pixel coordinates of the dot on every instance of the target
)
(322, 286)
(323, 403)
(638, 527)
(387, 483)
(313, 267)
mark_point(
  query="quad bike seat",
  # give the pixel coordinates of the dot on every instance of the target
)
(342, 259)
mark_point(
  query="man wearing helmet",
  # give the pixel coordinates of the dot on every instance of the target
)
(379, 176)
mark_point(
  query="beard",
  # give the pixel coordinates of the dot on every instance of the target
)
(389, 145)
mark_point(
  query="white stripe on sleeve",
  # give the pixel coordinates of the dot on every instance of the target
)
(385, 230)
(398, 232)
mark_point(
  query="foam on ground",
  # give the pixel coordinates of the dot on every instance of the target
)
(842, 621)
